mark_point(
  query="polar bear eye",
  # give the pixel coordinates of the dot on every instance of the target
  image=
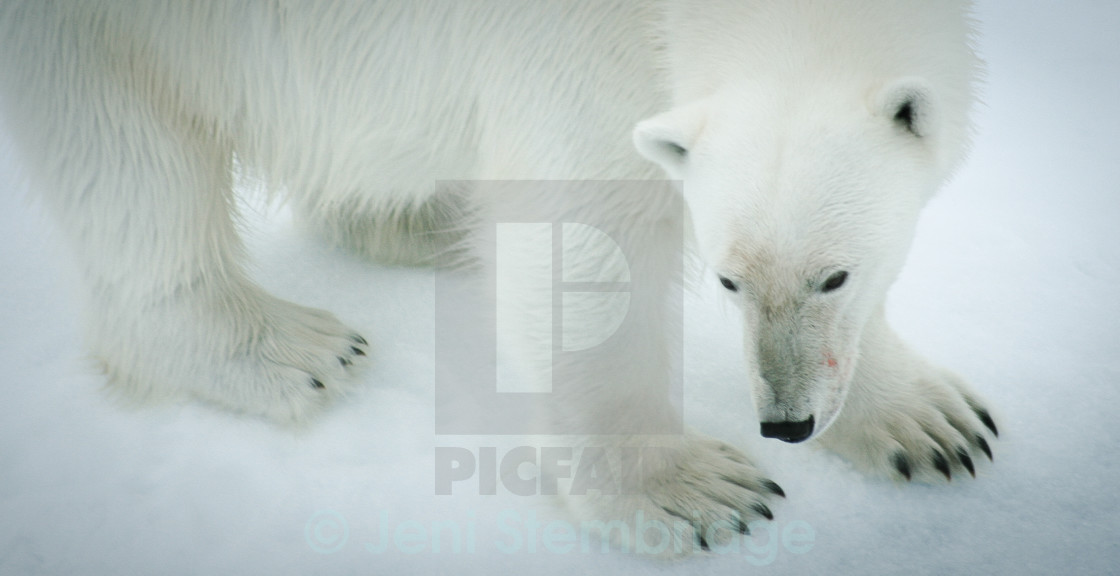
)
(835, 281)
(728, 284)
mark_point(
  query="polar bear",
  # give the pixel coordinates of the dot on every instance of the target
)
(805, 137)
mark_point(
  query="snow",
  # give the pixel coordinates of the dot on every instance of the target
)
(1011, 282)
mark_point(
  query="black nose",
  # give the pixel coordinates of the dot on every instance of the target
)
(792, 432)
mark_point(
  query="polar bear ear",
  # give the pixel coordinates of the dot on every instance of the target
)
(667, 138)
(908, 102)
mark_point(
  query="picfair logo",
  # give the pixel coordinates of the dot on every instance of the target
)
(535, 311)
(568, 283)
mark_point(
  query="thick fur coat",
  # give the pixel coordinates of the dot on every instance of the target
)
(804, 135)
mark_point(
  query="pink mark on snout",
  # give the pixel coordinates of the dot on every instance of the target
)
(832, 363)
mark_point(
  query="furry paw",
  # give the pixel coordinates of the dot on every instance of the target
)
(930, 428)
(249, 352)
(693, 496)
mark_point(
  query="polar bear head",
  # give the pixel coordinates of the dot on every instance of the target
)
(803, 208)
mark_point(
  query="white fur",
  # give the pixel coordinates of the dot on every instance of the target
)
(779, 117)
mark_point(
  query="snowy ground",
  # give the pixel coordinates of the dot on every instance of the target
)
(1012, 282)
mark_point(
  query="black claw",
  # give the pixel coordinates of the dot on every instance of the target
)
(773, 487)
(743, 529)
(316, 383)
(987, 420)
(358, 338)
(966, 460)
(942, 465)
(902, 464)
(357, 351)
(344, 361)
(704, 544)
(763, 510)
(980, 441)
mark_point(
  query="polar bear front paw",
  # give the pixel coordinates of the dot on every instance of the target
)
(699, 494)
(295, 362)
(928, 428)
(245, 350)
